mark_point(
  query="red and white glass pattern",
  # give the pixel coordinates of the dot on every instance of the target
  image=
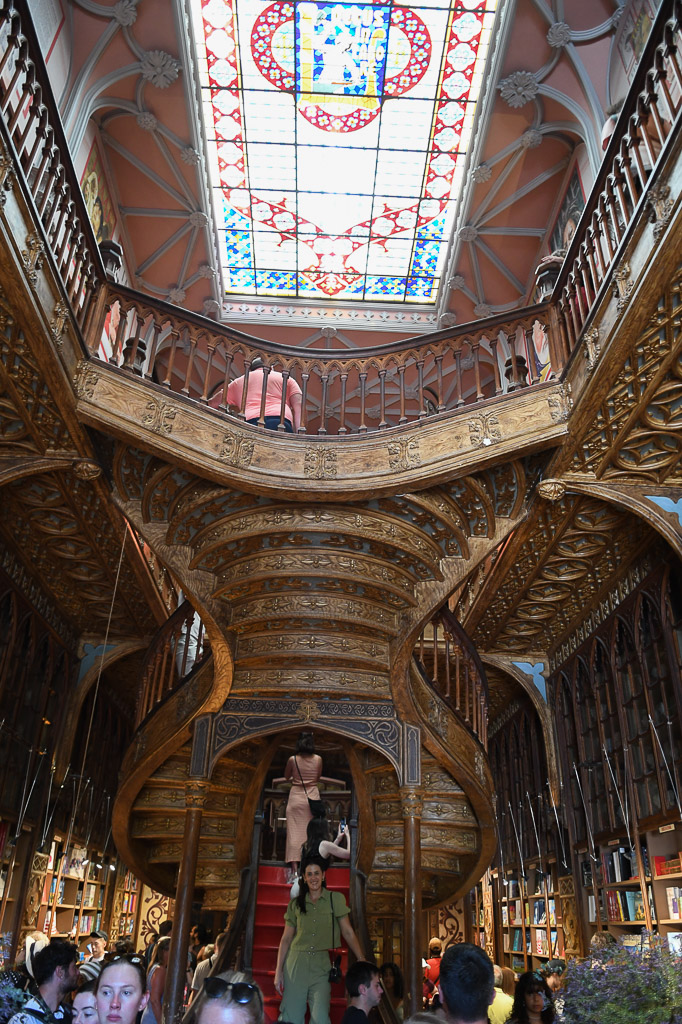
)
(337, 134)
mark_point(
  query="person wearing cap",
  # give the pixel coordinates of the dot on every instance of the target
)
(432, 968)
(55, 969)
(98, 945)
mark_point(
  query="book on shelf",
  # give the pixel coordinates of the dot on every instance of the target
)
(674, 940)
(539, 912)
(505, 915)
(505, 942)
(668, 865)
(518, 964)
(672, 895)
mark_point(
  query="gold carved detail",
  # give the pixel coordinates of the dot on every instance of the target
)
(159, 416)
(560, 406)
(484, 430)
(592, 348)
(86, 469)
(622, 285)
(85, 381)
(309, 710)
(236, 450)
(320, 463)
(660, 206)
(58, 322)
(34, 894)
(551, 490)
(196, 792)
(33, 256)
(404, 454)
(6, 174)
(411, 803)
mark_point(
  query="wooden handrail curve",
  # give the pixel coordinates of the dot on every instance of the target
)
(448, 661)
(178, 648)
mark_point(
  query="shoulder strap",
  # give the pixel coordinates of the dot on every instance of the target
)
(300, 776)
(331, 900)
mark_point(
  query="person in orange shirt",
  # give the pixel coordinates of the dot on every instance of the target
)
(274, 390)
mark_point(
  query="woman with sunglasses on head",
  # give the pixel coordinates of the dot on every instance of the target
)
(121, 990)
(313, 925)
(228, 998)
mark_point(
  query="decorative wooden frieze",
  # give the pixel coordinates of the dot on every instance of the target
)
(659, 207)
(374, 723)
(560, 405)
(433, 860)
(484, 430)
(58, 323)
(255, 679)
(404, 454)
(235, 450)
(320, 463)
(33, 256)
(86, 381)
(159, 416)
(622, 285)
(451, 838)
(592, 348)
(6, 173)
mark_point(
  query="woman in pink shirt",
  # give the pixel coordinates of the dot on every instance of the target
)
(274, 390)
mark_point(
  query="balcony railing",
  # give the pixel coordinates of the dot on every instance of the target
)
(446, 657)
(178, 648)
(343, 392)
(36, 143)
(636, 150)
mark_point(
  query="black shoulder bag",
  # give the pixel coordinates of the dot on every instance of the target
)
(335, 972)
(317, 808)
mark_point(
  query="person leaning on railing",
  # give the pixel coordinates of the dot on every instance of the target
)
(274, 389)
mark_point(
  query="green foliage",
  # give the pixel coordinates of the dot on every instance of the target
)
(620, 985)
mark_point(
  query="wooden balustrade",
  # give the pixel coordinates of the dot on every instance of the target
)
(178, 648)
(343, 391)
(635, 151)
(448, 659)
(31, 131)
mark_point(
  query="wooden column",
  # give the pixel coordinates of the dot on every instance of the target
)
(411, 800)
(196, 792)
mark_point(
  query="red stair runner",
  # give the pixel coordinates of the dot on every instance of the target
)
(272, 899)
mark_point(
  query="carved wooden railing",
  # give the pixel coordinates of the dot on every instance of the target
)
(32, 134)
(178, 648)
(636, 150)
(343, 391)
(448, 660)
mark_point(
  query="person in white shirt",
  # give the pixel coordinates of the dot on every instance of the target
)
(204, 968)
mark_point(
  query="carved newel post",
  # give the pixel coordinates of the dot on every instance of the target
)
(196, 791)
(411, 802)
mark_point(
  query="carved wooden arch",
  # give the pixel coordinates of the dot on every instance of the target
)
(542, 710)
(77, 696)
(631, 496)
(239, 720)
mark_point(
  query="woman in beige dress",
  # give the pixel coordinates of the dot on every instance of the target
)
(303, 770)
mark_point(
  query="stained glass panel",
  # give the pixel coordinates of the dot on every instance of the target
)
(337, 134)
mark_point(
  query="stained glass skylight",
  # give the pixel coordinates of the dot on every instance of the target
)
(337, 134)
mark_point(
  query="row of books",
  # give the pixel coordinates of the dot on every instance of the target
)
(513, 941)
(129, 902)
(624, 905)
(673, 894)
(542, 945)
(89, 896)
(516, 912)
(619, 865)
(540, 912)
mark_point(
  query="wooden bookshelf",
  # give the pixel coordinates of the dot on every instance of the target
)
(74, 893)
(530, 917)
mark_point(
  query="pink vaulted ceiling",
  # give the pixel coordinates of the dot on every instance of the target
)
(130, 78)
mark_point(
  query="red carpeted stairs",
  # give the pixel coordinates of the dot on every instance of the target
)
(272, 900)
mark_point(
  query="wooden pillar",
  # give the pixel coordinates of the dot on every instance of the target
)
(411, 800)
(196, 792)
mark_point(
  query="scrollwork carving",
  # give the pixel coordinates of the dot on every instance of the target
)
(159, 416)
(320, 463)
(404, 454)
(236, 450)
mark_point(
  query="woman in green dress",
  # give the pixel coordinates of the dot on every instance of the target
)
(313, 924)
